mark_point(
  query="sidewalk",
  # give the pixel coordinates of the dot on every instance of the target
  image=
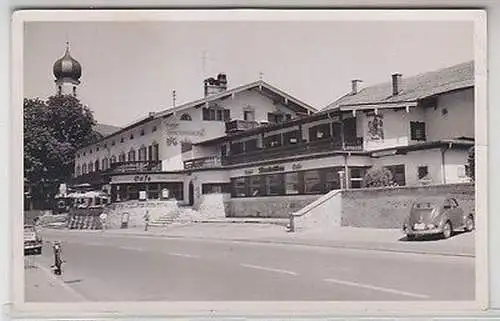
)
(389, 240)
(42, 286)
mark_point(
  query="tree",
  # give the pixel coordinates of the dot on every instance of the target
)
(53, 131)
(470, 167)
(378, 177)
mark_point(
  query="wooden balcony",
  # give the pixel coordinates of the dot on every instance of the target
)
(135, 167)
(204, 162)
(240, 125)
(319, 146)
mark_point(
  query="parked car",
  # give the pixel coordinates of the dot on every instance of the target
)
(438, 216)
(32, 241)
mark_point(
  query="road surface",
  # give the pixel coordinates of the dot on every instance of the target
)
(104, 267)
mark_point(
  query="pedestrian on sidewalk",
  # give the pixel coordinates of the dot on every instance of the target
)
(146, 221)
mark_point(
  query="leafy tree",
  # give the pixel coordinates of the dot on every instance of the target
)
(53, 131)
(470, 167)
(378, 177)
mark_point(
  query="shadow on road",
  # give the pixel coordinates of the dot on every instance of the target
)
(73, 281)
(428, 238)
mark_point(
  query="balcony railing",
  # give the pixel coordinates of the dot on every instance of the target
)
(204, 162)
(135, 167)
(319, 146)
(240, 125)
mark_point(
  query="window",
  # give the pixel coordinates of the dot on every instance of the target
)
(249, 115)
(113, 159)
(142, 153)
(156, 155)
(78, 170)
(417, 130)
(131, 136)
(121, 157)
(251, 145)
(215, 188)
(398, 174)
(319, 132)
(291, 138)
(90, 152)
(274, 184)
(105, 145)
(104, 164)
(84, 169)
(272, 141)
(356, 177)
(96, 165)
(236, 148)
(122, 140)
(292, 183)
(113, 143)
(131, 155)
(255, 185)
(154, 129)
(142, 132)
(186, 117)
(239, 187)
(423, 171)
(275, 118)
(83, 153)
(91, 167)
(218, 114)
(176, 189)
(332, 180)
(312, 182)
(97, 149)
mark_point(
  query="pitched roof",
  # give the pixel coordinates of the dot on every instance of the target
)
(106, 130)
(413, 88)
(267, 89)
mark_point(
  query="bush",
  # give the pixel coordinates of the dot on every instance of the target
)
(470, 167)
(378, 177)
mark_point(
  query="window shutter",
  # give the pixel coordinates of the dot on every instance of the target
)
(227, 114)
(205, 114)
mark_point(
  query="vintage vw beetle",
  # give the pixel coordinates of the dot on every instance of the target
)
(438, 216)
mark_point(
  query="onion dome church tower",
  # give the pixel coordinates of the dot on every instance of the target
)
(67, 71)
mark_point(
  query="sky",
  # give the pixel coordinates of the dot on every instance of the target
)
(131, 68)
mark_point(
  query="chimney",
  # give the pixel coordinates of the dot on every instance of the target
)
(355, 86)
(396, 84)
(214, 86)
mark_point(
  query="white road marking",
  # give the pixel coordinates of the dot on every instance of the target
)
(257, 267)
(68, 288)
(377, 288)
(184, 255)
(130, 248)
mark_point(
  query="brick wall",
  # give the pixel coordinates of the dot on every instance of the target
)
(388, 207)
(269, 207)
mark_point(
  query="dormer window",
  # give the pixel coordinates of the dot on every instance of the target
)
(154, 129)
(131, 136)
(122, 140)
(186, 117)
(113, 143)
(142, 132)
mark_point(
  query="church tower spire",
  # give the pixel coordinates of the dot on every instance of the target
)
(67, 72)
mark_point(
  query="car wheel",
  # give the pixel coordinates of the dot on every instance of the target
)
(410, 237)
(447, 230)
(469, 223)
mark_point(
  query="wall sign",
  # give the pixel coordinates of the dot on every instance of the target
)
(142, 178)
(376, 127)
(296, 166)
(276, 168)
(172, 129)
(120, 179)
(248, 172)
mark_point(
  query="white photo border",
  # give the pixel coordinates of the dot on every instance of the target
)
(19, 308)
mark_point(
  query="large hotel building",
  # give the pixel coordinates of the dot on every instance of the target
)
(257, 144)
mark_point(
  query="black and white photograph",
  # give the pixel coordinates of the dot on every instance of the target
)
(234, 157)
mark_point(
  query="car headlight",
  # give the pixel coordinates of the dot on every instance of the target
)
(431, 226)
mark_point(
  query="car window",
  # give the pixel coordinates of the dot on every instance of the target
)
(453, 202)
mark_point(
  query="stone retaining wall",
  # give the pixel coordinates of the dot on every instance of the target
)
(388, 207)
(268, 207)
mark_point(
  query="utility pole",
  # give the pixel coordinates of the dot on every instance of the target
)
(173, 97)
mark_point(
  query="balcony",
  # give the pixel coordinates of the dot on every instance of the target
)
(240, 125)
(135, 167)
(319, 146)
(204, 162)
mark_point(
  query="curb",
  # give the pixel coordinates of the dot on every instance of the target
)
(337, 245)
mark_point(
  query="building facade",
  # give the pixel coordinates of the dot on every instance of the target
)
(257, 141)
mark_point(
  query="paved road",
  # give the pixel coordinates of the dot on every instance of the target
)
(102, 267)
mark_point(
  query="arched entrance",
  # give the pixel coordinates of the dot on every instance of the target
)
(191, 194)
